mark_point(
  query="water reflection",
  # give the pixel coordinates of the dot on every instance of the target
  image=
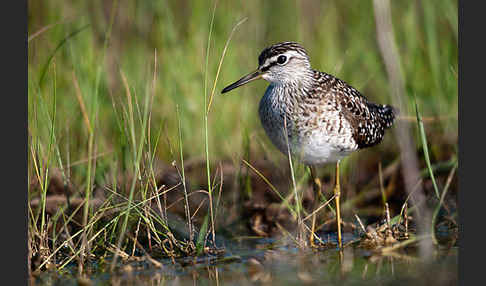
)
(273, 264)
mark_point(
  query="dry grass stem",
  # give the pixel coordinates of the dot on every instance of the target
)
(387, 45)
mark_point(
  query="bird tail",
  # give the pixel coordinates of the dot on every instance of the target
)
(386, 114)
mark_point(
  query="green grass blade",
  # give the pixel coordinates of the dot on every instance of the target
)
(61, 43)
(423, 139)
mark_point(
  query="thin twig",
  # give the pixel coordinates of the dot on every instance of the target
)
(221, 61)
(79, 97)
(319, 208)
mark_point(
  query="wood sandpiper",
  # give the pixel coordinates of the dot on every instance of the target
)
(317, 117)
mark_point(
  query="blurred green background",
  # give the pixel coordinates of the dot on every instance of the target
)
(340, 37)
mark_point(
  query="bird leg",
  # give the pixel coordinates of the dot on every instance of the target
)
(337, 194)
(317, 186)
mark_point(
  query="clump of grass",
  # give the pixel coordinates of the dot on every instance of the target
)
(207, 104)
(130, 208)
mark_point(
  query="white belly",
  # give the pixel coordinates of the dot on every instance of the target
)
(311, 145)
(319, 149)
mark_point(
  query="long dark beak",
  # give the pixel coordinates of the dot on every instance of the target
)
(244, 80)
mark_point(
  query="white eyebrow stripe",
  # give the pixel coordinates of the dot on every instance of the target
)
(273, 59)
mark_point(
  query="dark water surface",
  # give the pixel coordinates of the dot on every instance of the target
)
(269, 262)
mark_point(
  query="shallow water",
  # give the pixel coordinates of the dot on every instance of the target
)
(267, 261)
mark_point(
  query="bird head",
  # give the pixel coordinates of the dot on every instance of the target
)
(281, 63)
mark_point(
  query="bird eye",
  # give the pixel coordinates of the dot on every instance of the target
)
(281, 60)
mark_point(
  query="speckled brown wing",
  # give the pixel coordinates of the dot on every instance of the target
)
(368, 120)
